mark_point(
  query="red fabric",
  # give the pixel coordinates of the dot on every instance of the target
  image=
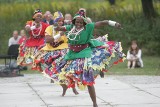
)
(22, 39)
(32, 42)
(78, 48)
(88, 83)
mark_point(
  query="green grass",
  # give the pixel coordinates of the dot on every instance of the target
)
(151, 67)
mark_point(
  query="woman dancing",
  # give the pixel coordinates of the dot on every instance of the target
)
(36, 29)
(53, 51)
(86, 58)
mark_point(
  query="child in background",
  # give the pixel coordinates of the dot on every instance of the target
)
(68, 19)
(134, 56)
(23, 36)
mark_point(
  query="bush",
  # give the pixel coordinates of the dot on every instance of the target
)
(14, 15)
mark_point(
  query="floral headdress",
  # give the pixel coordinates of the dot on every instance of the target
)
(81, 14)
(37, 12)
(57, 15)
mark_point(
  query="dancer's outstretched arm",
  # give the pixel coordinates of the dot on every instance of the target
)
(107, 22)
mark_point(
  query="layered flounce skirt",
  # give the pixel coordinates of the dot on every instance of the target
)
(83, 71)
(27, 54)
(44, 59)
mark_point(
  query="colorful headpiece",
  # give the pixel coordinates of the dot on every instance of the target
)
(81, 14)
(36, 12)
(57, 15)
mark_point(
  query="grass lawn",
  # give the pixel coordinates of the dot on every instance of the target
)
(151, 67)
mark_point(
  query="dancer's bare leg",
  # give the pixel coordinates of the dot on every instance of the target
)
(92, 94)
(75, 91)
(64, 89)
(52, 81)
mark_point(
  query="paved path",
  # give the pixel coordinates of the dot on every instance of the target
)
(112, 91)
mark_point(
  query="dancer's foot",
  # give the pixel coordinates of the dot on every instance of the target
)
(95, 105)
(64, 89)
(75, 91)
(52, 81)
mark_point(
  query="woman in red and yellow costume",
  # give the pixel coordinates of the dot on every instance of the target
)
(53, 51)
(36, 29)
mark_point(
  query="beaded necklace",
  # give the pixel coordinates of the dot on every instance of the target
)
(40, 29)
(74, 32)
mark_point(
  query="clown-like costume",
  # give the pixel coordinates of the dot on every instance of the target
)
(36, 30)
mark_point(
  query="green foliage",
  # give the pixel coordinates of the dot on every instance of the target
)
(151, 67)
(15, 13)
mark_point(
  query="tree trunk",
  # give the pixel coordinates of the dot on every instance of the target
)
(148, 8)
(112, 2)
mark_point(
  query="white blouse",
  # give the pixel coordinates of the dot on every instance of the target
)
(138, 55)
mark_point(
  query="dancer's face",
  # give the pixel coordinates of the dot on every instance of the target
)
(79, 23)
(38, 18)
(60, 22)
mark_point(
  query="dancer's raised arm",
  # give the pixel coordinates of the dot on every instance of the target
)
(107, 22)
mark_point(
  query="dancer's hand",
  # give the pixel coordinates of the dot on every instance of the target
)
(56, 40)
(28, 28)
(37, 25)
(62, 33)
(118, 25)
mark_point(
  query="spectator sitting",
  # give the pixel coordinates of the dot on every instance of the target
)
(15, 39)
(134, 56)
(23, 36)
(48, 18)
(67, 19)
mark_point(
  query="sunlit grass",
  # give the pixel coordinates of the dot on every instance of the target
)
(151, 67)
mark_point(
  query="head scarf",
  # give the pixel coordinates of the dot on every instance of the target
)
(81, 14)
(37, 12)
(57, 15)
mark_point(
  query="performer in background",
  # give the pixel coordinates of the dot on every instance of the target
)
(54, 50)
(36, 29)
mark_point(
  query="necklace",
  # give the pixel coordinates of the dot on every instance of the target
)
(74, 32)
(37, 29)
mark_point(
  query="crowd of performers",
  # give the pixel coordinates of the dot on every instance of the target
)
(68, 53)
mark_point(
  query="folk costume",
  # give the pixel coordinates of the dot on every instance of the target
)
(34, 43)
(86, 57)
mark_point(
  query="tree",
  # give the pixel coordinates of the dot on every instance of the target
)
(112, 2)
(148, 8)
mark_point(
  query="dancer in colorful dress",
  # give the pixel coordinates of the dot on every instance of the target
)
(54, 50)
(86, 57)
(36, 29)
